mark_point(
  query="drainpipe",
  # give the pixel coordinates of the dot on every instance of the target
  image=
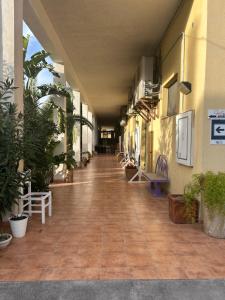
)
(182, 70)
(81, 139)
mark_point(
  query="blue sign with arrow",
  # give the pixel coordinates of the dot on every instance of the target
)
(217, 131)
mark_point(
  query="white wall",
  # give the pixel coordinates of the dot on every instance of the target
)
(59, 172)
(11, 45)
(85, 129)
(89, 133)
(76, 131)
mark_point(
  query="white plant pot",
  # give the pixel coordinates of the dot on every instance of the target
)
(18, 227)
(6, 242)
(213, 224)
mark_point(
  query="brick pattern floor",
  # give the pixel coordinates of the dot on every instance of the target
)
(104, 228)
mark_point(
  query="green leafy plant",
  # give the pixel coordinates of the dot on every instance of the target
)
(40, 129)
(212, 188)
(11, 149)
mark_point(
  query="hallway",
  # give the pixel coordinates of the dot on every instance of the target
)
(104, 228)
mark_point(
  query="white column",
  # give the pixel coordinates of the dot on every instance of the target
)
(94, 133)
(76, 131)
(85, 129)
(11, 45)
(60, 171)
(89, 133)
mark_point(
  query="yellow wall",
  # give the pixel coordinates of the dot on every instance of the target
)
(198, 57)
(189, 65)
(214, 155)
(186, 59)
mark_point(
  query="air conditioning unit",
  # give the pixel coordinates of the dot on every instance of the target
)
(144, 75)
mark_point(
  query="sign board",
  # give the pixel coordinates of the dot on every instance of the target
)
(216, 113)
(217, 131)
(184, 138)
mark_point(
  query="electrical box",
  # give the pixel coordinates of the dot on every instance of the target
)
(184, 138)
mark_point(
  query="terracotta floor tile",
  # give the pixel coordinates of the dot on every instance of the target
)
(84, 260)
(103, 227)
(113, 259)
(138, 260)
(113, 246)
(150, 272)
(70, 274)
(115, 273)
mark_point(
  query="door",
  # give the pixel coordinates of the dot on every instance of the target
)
(150, 152)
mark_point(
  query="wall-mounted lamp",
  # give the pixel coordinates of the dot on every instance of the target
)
(185, 87)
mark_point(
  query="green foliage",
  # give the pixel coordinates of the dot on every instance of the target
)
(11, 149)
(37, 62)
(212, 188)
(40, 131)
(83, 121)
(69, 160)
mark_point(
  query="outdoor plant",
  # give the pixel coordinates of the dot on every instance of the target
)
(191, 193)
(11, 150)
(40, 128)
(211, 187)
(40, 131)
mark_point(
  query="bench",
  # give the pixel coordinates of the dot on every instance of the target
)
(156, 179)
(159, 177)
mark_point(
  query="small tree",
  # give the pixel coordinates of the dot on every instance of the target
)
(40, 130)
(11, 149)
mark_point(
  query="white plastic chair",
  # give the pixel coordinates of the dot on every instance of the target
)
(33, 200)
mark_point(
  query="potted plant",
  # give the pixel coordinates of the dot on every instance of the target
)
(182, 209)
(130, 171)
(211, 187)
(18, 224)
(5, 239)
(85, 159)
(11, 153)
(70, 165)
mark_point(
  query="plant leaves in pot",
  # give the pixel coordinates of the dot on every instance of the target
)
(11, 153)
(211, 187)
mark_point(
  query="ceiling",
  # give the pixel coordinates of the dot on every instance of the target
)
(104, 41)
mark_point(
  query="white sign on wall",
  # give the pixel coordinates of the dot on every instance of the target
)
(184, 138)
(216, 113)
(217, 131)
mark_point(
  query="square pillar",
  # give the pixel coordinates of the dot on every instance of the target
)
(85, 129)
(89, 133)
(11, 46)
(60, 171)
(77, 131)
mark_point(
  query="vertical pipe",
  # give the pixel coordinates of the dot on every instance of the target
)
(182, 71)
(81, 133)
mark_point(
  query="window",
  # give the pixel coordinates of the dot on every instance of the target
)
(106, 134)
(173, 98)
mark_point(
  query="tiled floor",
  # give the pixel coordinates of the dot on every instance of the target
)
(104, 228)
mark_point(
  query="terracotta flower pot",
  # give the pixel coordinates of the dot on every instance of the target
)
(69, 176)
(178, 211)
(130, 172)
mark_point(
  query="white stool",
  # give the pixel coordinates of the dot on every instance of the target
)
(37, 199)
